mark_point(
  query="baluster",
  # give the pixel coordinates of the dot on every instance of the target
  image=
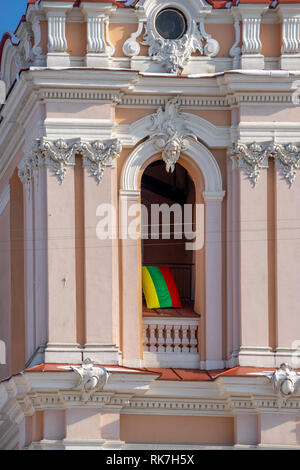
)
(152, 338)
(169, 339)
(177, 338)
(160, 338)
(145, 338)
(185, 339)
(193, 339)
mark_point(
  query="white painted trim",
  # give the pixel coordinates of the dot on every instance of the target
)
(213, 136)
(4, 198)
(199, 154)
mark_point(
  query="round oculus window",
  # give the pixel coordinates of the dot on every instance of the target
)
(170, 24)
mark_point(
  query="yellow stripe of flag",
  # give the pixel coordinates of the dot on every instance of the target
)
(149, 290)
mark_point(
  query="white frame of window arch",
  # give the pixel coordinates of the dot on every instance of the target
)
(203, 161)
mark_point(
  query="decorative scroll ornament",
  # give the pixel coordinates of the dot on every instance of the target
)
(60, 154)
(235, 51)
(287, 158)
(169, 133)
(284, 380)
(98, 155)
(251, 157)
(37, 49)
(91, 378)
(174, 54)
(131, 47)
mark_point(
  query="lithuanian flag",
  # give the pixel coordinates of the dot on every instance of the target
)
(160, 288)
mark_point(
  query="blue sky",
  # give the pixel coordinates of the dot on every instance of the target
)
(11, 14)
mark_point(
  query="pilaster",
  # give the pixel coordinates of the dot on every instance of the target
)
(213, 280)
(131, 320)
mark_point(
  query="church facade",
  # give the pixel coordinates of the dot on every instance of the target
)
(112, 109)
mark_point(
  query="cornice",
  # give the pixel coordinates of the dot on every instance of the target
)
(129, 89)
(143, 394)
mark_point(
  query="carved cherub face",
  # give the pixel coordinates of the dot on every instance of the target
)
(171, 154)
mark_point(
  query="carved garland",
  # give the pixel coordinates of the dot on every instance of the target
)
(253, 157)
(59, 154)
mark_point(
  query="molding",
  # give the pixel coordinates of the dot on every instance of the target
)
(136, 392)
(199, 154)
(213, 196)
(4, 198)
(211, 135)
(130, 195)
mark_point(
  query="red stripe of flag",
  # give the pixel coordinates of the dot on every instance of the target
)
(171, 285)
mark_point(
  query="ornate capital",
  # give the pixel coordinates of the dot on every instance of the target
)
(91, 378)
(60, 154)
(287, 158)
(98, 155)
(251, 157)
(169, 133)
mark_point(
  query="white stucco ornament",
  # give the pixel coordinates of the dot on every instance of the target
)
(251, 157)
(60, 154)
(287, 158)
(98, 155)
(284, 380)
(174, 54)
(169, 133)
(91, 377)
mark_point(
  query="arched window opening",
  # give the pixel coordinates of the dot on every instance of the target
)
(166, 233)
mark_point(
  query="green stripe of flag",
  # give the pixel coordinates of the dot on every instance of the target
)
(161, 287)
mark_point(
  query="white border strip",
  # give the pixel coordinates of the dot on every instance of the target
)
(4, 198)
